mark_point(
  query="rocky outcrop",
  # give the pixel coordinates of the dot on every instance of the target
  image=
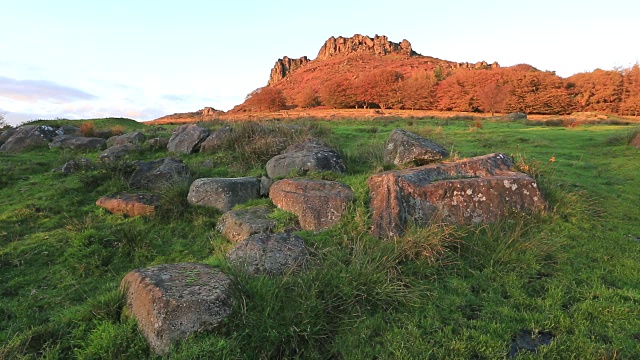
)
(404, 147)
(118, 152)
(476, 190)
(29, 137)
(223, 193)
(284, 66)
(172, 301)
(237, 225)
(186, 139)
(311, 155)
(135, 137)
(130, 204)
(5, 135)
(77, 143)
(269, 254)
(318, 204)
(158, 174)
(378, 45)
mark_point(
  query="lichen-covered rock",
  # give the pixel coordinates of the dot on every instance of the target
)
(237, 225)
(130, 204)
(118, 152)
(72, 166)
(269, 254)
(216, 139)
(135, 137)
(29, 137)
(172, 301)
(158, 174)
(480, 189)
(319, 204)
(404, 147)
(186, 139)
(223, 193)
(309, 156)
(77, 143)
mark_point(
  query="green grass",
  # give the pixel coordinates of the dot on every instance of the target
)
(439, 292)
(101, 124)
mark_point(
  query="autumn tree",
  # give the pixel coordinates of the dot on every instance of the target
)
(380, 87)
(492, 97)
(599, 90)
(307, 98)
(537, 92)
(266, 99)
(419, 91)
(631, 95)
(338, 93)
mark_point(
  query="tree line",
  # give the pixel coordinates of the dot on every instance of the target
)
(519, 88)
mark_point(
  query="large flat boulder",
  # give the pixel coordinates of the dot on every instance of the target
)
(269, 254)
(158, 174)
(130, 204)
(172, 301)
(302, 158)
(319, 204)
(223, 193)
(77, 143)
(134, 137)
(404, 147)
(186, 139)
(237, 225)
(29, 137)
(476, 190)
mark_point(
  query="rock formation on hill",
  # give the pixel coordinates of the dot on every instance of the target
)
(378, 45)
(284, 66)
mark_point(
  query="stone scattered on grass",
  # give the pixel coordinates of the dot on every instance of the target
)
(29, 137)
(404, 147)
(72, 166)
(77, 143)
(130, 204)
(223, 193)
(216, 139)
(269, 254)
(237, 225)
(118, 152)
(527, 340)
(172, 301)
(311, 155)
(135, 137)
(158, 174)
(186, 139)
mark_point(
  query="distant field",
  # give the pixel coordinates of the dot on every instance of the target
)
(442, 292)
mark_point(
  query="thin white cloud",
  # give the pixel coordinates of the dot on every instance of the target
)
(40, 90)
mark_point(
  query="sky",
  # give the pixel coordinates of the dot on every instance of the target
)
(144, 59)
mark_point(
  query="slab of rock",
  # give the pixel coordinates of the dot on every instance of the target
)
(172, 301)
(158, 143)
(72, 166)
(636, 141)
(77, 143)
(68, 130)
(404, 147)
(302, 158)
(130, 204)
(319, 204)
(118, 152)
(29, 137)
(158, 174)
(186, 139)
(135, 137)
(216, 139)
(475, 190)
(237, 225)
(5, 135)
(223, 193)
(269, 254)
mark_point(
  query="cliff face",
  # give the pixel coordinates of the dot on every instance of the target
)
(284, 66)
(378, 45)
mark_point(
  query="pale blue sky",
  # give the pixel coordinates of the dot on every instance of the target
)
(145, 59)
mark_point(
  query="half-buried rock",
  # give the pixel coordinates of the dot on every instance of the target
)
(158, 174)
(311, 155)
(118, 152)
(130, 204)
(319, 204)
(404, 147)
(77, 143)
(223, 193)
(135, 137)
(269, 254)
(172, 301)
(476, 190)
(237, 225)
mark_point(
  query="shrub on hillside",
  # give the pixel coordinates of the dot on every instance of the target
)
(266, 99)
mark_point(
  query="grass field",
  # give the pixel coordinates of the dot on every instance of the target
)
(570, 275)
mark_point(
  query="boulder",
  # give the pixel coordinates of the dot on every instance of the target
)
(103, 133)
(72, 166)
(265, 185)
(68, 130)
(28, 137)
(237, 225)
(5, 135)
(302, 158)
(223, 193)
(158, 143)
(636, 141)
(172, 301)
(476, 190)
(158, 174)
(186, 139)
(77, 143)
(269, 254)
(404, 147)
(216, 139)
(118, 152)
(319, 204)
(130, 204)
(134, 137)
(516, 116)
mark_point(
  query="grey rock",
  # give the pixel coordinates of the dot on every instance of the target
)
(223, 193)
(216, 139)
(237, 225)
(309, 156)
(158, 143)
(77, 143)
(134, 137)
(404, 147)
(269, 254)
(29, 137)
(265, 185)
(158, 174)
(118, 152)
(72, 166)
(516, 116)
(186, 139)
